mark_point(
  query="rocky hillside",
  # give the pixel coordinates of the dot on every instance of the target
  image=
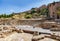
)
(41, 12)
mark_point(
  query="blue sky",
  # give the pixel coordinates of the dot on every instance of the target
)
(9, 6)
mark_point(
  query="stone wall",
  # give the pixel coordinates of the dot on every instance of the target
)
(53, 10)
(19, 22)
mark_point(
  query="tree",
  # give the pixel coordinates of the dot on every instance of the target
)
(58, 10)
(44, 11)
(6, 16)
(33, 10)
(54, 3)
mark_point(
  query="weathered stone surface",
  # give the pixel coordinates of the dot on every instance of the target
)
(14, 37)
(47, 39)
(17, 37)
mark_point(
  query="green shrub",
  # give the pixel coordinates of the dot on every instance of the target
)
(28, 16)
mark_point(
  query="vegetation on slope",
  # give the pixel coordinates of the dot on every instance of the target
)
(27, 15)
(6, 16)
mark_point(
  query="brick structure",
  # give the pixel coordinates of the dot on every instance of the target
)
(53, 10)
